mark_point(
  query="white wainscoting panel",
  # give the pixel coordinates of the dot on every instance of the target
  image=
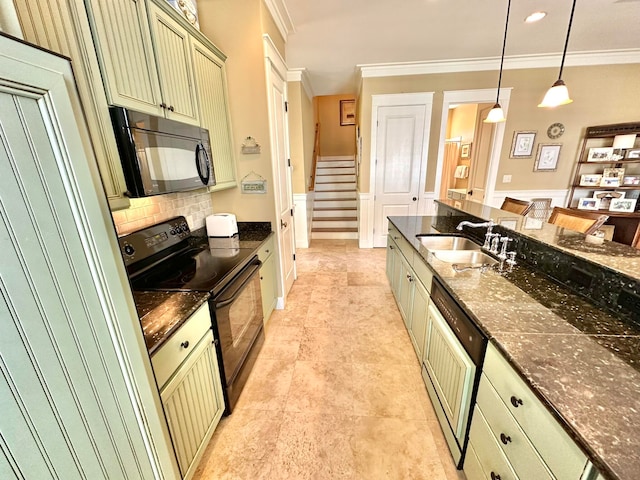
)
(365, 220)
(303, 214)
(427, 205)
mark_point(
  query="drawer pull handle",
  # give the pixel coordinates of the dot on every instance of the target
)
(516, 402)
(504, 438)
(390, 247)
(266, 251)
(409, 278)
(495, 476)
(185, 344)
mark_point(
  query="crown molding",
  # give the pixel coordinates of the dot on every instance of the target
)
(605, 57)
(281, 17)
(301, 75)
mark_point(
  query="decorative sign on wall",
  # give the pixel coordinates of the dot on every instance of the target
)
(253, 183)
(250, 146)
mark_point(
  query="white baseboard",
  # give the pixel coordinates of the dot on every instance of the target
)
(558, 197)
(303, 213)
(365, 220)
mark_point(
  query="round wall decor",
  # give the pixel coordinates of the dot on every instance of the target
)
(555, 130)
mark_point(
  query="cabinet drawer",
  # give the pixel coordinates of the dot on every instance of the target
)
(487, 450)
(176, 349)
(506, 432)
(266, 249)
(559, 452)
(404, 246)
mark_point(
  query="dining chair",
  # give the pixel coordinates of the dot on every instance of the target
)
(521, 207)
(577, 220)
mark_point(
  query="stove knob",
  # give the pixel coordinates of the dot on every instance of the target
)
(129, 250)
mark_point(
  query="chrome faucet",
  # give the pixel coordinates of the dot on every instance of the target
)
(488, 236)
(488, 224)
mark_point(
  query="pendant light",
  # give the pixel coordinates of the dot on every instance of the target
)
(496, 114)
(558, 94)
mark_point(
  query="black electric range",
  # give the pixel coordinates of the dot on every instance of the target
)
(167, 257)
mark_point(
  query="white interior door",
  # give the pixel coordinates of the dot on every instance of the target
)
(399, 156)
(285, 231)
(480, 157)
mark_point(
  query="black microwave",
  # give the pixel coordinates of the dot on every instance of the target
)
(160, 155)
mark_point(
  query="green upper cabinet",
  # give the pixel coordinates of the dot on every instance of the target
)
(145, 59)
(63, 27)
(214, 111)
(172, 48)
(124, 47)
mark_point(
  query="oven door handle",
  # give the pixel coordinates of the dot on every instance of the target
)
(238, 291)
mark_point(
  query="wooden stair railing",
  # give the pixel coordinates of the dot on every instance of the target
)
(314, 160)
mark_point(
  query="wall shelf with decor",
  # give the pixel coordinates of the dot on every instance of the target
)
(607, 178)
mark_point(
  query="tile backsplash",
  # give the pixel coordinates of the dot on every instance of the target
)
(194, 206)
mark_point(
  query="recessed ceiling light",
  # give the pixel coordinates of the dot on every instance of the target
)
(535, 16)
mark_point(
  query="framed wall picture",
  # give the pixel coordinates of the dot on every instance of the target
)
(622, 205)
(547, 159)
(347, 112)
(465, 150)
(522, 145)
(628, 180)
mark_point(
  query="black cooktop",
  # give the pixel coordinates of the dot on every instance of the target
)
(167, 257)
(202, 270)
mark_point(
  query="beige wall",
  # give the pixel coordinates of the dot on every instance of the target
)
(301, 135)
(236, 27)
(601, 94)
(463, 122)
(335, 140)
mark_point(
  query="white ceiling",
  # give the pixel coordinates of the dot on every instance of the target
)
(331, 37)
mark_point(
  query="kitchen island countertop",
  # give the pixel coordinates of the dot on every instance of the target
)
(582, 361)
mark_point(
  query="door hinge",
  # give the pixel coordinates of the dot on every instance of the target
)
(286, 106)
(289, 162)
(294, 257)
(291, 212)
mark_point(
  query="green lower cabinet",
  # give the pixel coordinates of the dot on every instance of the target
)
(268, 277)
(489, 462)
(268, 286)
(419, 313)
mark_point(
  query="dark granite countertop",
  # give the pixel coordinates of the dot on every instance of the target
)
(580, 359)
(162, 313)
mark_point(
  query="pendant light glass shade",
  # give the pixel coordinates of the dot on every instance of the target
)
(496, 114)
(558, 94)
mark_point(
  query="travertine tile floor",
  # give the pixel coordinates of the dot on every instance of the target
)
(336, 392)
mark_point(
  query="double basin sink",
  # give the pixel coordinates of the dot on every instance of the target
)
(456, 250)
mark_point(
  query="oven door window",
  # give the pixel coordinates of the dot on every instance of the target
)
(238, 316)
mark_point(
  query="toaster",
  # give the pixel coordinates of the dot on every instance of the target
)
(221, 225)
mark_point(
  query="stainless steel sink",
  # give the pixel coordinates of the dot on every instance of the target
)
(448, 242)
(467, 257)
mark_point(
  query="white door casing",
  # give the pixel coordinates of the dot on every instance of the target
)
(276, 74)
(76, 387)
(400, 138)
(475, 96)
